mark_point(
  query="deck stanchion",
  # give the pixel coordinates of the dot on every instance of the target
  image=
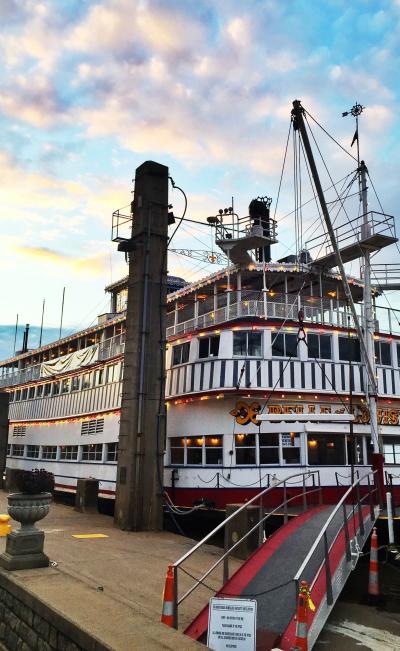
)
(226, 556)
(285, 509)
(390, 517)
(260, 528)
(304, 494)
(371, 505)
(346, 533)
(328, 576)
(320, 489)
(359, 509)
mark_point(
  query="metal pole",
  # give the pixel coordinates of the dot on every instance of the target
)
(368, 317)
(346, 533)
(351, 428)
(41, 324)
(15, 335)
(226, 558)
(285, 509)
(62, 312)
(359, 508)
(328, 576)
(390, 517)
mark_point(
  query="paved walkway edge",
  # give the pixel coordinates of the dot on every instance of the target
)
(29, 618)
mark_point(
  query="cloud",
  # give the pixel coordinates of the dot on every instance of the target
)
(96, 264)
(125, 27)
(32, 99)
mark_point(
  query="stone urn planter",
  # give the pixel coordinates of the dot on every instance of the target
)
(24, 547)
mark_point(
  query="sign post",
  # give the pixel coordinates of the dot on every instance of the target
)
(232, 624)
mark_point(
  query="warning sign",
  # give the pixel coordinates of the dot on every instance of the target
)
(232, 624)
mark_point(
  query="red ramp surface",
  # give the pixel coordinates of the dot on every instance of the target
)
(268, 576)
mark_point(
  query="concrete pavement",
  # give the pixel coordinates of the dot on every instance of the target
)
(112, 586)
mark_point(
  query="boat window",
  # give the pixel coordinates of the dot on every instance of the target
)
(245, 447)
(98, 376)
(180, 353)
(39, 391)
(398, 355)
(391, 450)
(32, 451)
(290, 446)
(18, 394)
(284, 345)
(319, 346)
(75, 381)
(11, 396)
(19, 430)
(112, 373)
(326, 450)
(194, 450)
(24, 394)
(49, 452)
(349, 349)
(213, 450)
(69, 452)
(382, 353)
(92, 452)
(47, 389)
(86, 381)
(31, 393)
(177, 448)
(56, 388)
(17, 450)
(247, 344)
(370, 450)
(209, 346)
(112, 452)
(355, 452)
(66, 385)
(269, 448)
(8, 449)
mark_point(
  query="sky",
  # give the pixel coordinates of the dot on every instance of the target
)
(91, 89)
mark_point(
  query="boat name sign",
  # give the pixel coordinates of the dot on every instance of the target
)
(246, 413)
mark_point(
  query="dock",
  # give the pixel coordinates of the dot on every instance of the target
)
(105, 588)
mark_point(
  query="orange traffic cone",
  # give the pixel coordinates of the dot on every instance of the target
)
(167, 616)
(373, 582)
(301, 643)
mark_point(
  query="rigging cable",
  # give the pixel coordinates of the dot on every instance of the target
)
(282, 171)
(331, 137)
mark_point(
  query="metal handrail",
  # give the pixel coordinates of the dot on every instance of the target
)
(323, 534)
(312, 474)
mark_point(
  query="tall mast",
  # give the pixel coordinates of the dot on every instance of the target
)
(298, 123)
(369, 326)
(368, 321)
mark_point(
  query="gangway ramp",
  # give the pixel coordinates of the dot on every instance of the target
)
(320, 546)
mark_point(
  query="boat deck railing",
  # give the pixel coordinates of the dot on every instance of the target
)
(107, 349)
(354, 230)
(320, 311)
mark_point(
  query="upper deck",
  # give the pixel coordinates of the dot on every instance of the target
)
(237, 293)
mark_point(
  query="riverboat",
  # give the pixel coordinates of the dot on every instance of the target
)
(258, 338)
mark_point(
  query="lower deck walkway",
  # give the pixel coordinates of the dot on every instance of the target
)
(110, 586)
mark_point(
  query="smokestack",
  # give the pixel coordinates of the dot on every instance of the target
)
(25, 339)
